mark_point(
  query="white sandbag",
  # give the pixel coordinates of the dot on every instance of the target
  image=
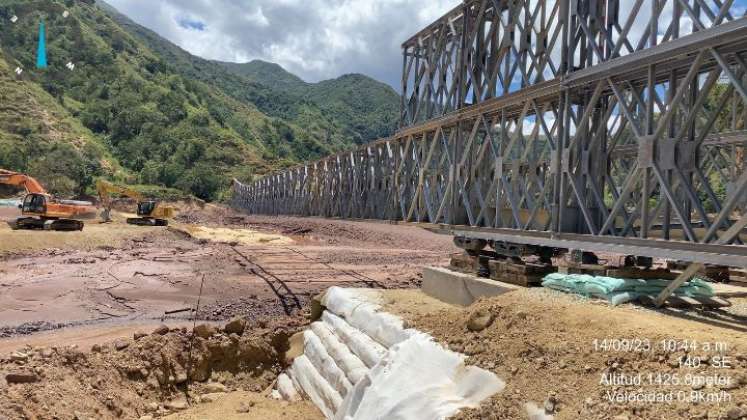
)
(286, 389)
(359, 309)
(318, 390)
(349, 363)
(418, 379)
(363, 346)
(324, 364)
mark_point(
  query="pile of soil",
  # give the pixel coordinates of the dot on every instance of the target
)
(542, 344)
(153, 374)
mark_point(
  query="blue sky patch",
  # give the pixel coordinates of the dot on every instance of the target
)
(192, 24)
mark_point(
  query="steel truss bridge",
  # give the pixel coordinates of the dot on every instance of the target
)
(601, 125)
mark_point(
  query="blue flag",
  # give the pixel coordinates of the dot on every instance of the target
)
(41, 53)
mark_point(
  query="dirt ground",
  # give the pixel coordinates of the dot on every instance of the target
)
(542, 343)
(70, 300)
(115, 274)
(152, 373)
(238, 405)
(99, 323)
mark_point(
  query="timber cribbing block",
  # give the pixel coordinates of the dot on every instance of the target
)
(714, 272)
(459, 288)
(738, 276)
(519, 273)
(471, 264)
(617, 272)
(464, 263)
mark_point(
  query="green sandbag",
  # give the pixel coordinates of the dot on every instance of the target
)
(617, 291)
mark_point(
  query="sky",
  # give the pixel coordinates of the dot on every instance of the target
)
(314, 39)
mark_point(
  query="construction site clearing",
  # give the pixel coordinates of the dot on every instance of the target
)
(100, 324)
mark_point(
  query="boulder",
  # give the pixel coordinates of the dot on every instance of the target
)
(205, 331)
(480, 319)
(208, 398)
(235, 326)
(121, 344)
(161, 330)
(138, 335)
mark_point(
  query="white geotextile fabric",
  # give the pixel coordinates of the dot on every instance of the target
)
(313, 384)
(359, 311)
(324, 364)
(411, 376)
(349, 363)
(418, 379)
(286, 389)
(363, 346)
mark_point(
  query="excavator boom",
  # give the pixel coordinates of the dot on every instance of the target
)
(105, 189)
(150, 213)
(21, 180)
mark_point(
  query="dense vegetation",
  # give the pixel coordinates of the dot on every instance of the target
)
(366, 109)
(138, 109)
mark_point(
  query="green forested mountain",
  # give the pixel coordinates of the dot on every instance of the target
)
(365, 108)
(138, 109)
(268, 74)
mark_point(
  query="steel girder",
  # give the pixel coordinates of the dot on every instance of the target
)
(553, 117)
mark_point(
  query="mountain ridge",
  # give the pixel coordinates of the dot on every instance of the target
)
(157, 115)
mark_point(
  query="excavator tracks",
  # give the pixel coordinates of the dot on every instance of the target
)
(32, 223)
(143, 221)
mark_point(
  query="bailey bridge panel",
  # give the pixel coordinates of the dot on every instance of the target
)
(549, 118)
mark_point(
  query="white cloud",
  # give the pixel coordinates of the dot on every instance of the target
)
(315, 39)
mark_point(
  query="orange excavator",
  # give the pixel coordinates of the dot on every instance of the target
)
(44, 211)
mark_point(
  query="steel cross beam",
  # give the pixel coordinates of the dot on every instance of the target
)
(536, 121)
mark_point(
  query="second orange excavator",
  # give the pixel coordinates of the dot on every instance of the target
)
(44, 211)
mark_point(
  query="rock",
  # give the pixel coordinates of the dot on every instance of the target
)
(146, 418)
(21, 377)
(621, 417)
(479, 320)
(18, 356)
(213, 387)
(161, 330)
(96, 348)
(550, 403)
(138, 335)
(180, 378)
(47, 353)
(245, 407)
(735, 413)
(121, 344)
(207, 398)
(177, 404)
(205, 331)
(73, 355)
(235, 326)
